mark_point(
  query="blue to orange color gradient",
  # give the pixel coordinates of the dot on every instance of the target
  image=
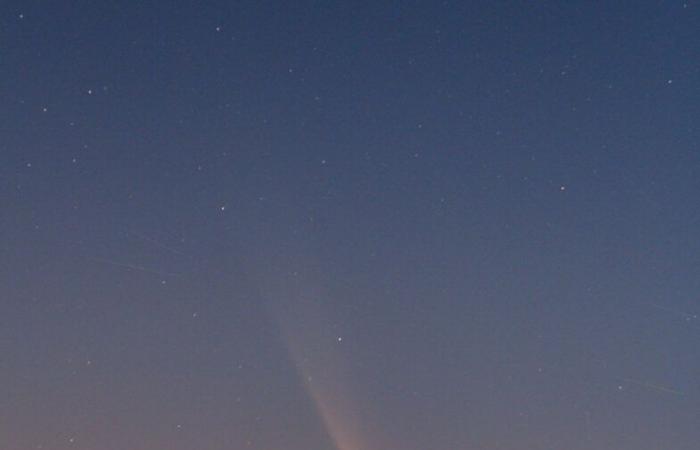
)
(415, 225)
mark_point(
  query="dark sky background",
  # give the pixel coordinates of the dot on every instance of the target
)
(377, 225)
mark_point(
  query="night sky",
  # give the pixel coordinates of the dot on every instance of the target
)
(379, 225)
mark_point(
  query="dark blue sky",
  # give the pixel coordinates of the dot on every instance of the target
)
(349, 225)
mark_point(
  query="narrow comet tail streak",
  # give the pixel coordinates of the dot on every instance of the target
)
(330, 399)
(314, 351)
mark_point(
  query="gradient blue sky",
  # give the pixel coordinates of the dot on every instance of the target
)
(378, 225)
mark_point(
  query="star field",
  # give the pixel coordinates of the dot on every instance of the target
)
(349, 225)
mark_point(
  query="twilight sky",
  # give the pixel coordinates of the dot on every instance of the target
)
(305, 225)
